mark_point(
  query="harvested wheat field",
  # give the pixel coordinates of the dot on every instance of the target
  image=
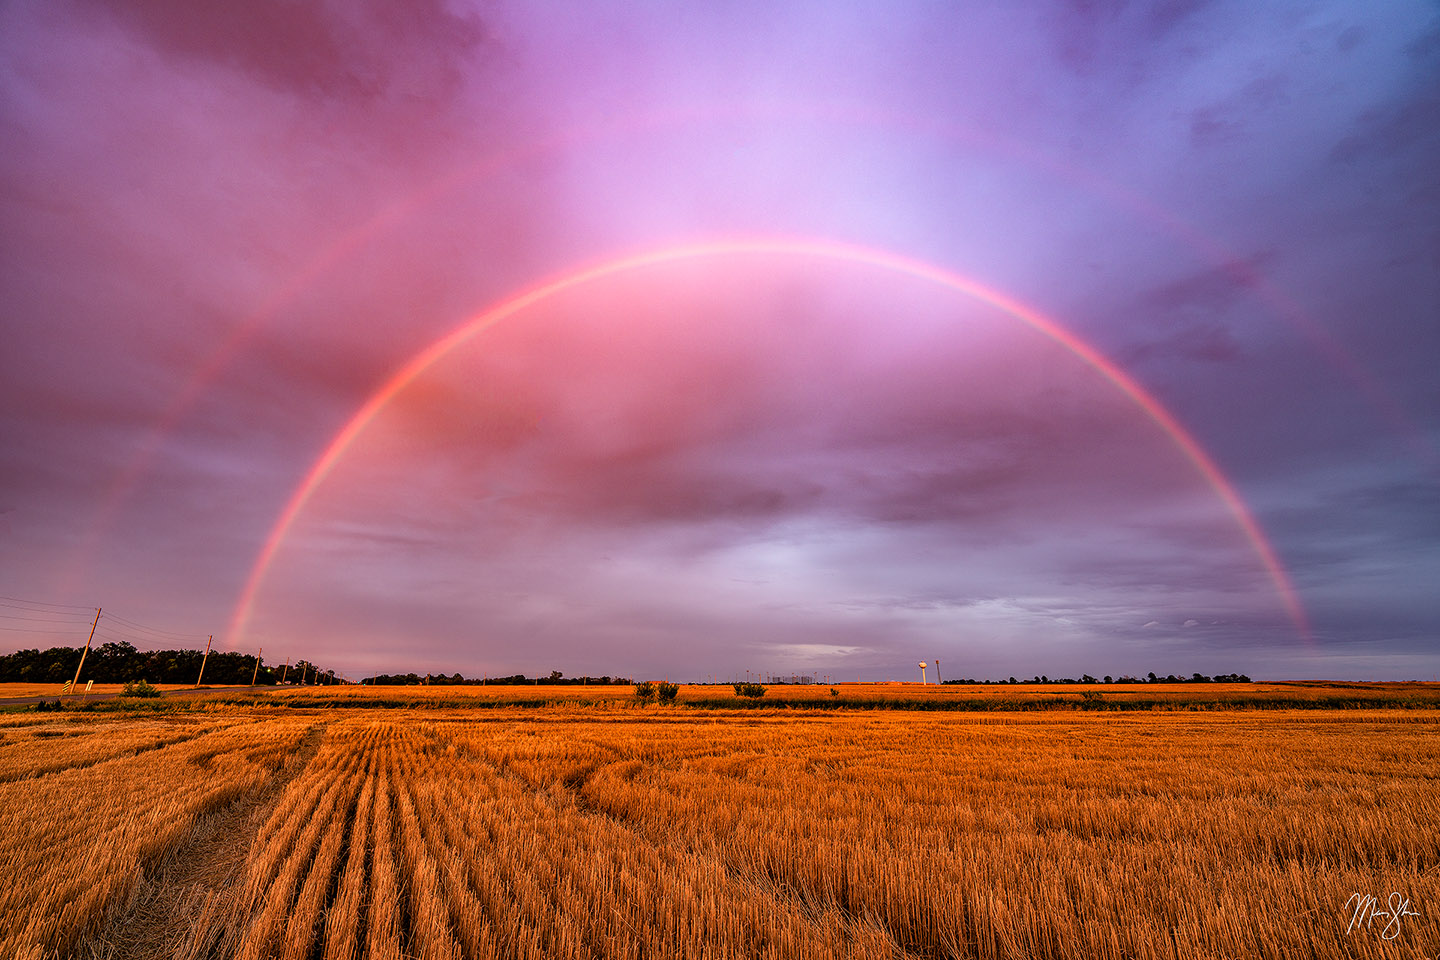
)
(586, 831)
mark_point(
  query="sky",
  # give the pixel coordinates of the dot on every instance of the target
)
(682, 341)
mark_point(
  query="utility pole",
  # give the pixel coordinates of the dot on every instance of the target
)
(286, 672)
(202, 661)
(304, 672)
(257, 666)
(937, 672)
(86, 650)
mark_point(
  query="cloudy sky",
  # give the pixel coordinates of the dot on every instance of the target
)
(1036, 338)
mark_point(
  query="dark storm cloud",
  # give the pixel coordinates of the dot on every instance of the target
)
(1214, 289)
(1206, 340)
(1090, 34)
(1226, 120)
(1391, 133)
(1399, 131)
(414, 53)
(1190, 317)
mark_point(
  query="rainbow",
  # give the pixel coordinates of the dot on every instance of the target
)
(1281, 304)
(765, 247)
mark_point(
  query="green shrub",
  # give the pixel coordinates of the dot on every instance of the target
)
(139, 688)
(666, 691)
(752, 690)
(645, 691)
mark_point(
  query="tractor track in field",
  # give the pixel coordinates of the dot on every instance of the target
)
(185, 905)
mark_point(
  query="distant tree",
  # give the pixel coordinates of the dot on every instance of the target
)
(139, 688)
(1107, 679)
(1153, 678)
(114, 662)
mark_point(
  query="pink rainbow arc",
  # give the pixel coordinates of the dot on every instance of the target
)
(1207, 246)
(797, 247)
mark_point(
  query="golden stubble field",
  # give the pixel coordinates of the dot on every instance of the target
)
(580, 831)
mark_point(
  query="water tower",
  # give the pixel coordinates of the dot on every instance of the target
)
(922, 672)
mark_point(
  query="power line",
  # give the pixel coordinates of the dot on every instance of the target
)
(38, 608)
(121, 635)
(155, 630)
(12, 616)
(43, 610)
(109, 627)
(42, 603)
(124, 627)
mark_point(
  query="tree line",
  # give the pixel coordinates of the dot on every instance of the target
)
(1148, 678)
(122, 663)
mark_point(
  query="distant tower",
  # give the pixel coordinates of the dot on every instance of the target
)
(937, 672)
(922, 672)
